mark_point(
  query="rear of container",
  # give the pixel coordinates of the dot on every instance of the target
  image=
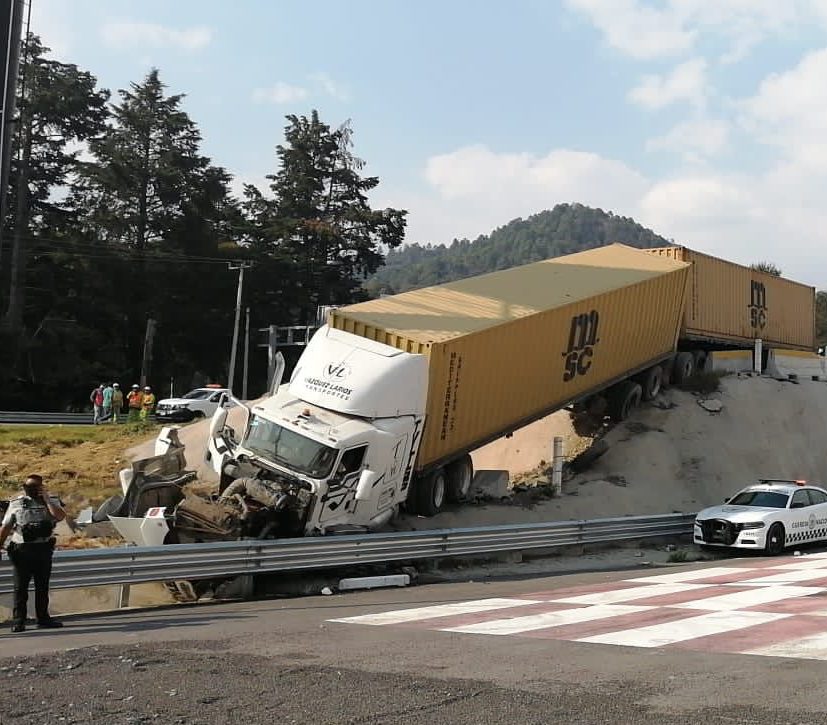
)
(510, 347)
(729, 305)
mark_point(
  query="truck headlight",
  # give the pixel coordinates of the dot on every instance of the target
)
(752, 525)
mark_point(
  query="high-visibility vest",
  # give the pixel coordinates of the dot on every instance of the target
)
(149, 401)
(135, 399)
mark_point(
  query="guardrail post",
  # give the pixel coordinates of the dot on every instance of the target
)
(557, 467)
(123, 595)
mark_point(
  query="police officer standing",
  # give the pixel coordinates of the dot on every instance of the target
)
(31, 519)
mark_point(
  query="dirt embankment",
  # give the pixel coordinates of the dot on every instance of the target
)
(673, 455)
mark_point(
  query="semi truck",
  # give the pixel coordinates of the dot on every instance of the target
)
(391, 396)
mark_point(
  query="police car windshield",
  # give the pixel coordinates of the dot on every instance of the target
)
(198, 394)
(293, 450)
(765, 499)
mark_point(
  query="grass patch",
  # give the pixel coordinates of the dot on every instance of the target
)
(704, 382)
(678, 557)
(79, 463)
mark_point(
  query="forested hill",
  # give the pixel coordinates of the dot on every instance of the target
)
(565, 229)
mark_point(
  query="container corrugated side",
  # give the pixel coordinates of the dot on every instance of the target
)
(734, 304)
(494, 381)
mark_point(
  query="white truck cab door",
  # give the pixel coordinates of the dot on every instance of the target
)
(339, 499)
(218, 445)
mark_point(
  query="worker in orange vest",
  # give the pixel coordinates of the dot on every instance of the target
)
(135, 401)
(147, 403)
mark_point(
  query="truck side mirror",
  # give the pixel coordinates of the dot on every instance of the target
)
(366, 481)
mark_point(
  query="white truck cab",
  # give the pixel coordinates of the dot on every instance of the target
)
(341, 436)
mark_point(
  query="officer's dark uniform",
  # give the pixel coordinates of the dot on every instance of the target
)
(30, 550)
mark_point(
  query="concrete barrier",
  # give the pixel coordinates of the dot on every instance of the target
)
(730, 361)
(796, 365)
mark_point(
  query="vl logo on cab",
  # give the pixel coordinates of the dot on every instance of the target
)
(336, 371)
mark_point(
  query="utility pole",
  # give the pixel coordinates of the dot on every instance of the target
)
(11, 29)
(246, 354)
(146, 363)
(241, 267)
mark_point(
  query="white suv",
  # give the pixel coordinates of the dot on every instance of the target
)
(198, 403)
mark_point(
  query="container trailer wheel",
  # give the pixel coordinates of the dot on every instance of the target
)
(624, 398)
(430, 493)
(683, 368)
(460, 476)
(699, 357)
(651, 382)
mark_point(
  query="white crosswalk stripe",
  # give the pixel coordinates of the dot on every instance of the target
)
(749, 598)
(439, 610)
(779, 603)
(688, 576)
(517, 625)
(659, 635)
(629, 595)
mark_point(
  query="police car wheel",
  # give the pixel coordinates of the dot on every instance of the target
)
(775, 540)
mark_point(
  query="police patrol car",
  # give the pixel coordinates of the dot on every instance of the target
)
(768, 516)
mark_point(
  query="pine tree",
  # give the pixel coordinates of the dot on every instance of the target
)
(60, 107)
(319, 221)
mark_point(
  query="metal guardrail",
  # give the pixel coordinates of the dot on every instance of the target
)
(134, 565)
(10, 417)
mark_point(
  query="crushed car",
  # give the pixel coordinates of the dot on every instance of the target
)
(768, 516)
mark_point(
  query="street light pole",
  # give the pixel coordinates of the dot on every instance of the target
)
(241, 267)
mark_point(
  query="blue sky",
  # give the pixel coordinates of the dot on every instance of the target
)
(703, 119)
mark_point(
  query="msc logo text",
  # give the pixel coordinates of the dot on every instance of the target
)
(757, 305)
(583, 337)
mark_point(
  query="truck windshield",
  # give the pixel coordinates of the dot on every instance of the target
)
(765, 499)
(292, 450)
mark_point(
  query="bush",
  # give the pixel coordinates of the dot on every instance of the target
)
(704, 382)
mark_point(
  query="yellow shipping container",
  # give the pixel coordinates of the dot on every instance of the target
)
(732, 304)
(509, 347)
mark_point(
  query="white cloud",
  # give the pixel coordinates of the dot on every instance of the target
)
(331, 87)
(642, 30)
(475, 189)
(790, 110)
(637, 30)
(280, 92)
(687, 82)
(695, 138)
(778, 215)
(128, 34)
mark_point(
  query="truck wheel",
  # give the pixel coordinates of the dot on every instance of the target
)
(430, 493)
(460, 475)
(683, 368)
(651, 382)
(624, 398)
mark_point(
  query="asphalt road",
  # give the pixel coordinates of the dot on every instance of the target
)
(285, 661)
